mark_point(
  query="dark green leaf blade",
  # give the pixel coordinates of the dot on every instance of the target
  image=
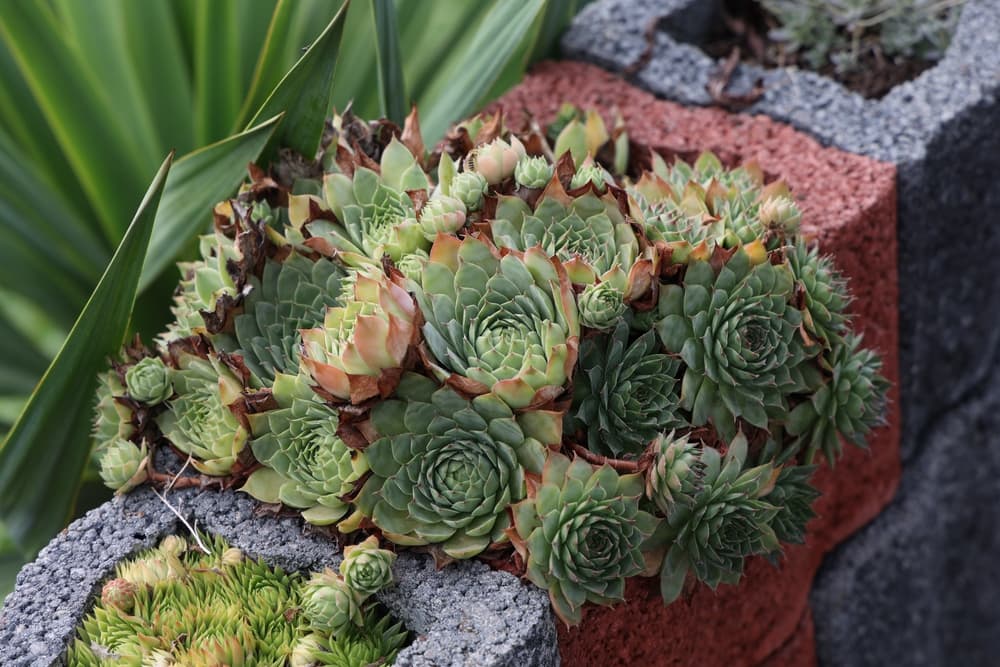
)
(196, 183)
(43, 456)
(474, 64)
(303, 95)
(391, 87)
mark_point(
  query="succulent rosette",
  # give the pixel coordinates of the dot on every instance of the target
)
(793, 495)
(533, 172)
(496, 160)
(123, 465)
(849, 403)
(445, 468)
(364, 217)
(330, 604)
(736, 332)
(728, 520)
(676, 476)
(112, 418)
(198, 420)
(506, 325)
(306, 464)
(624, 393)
(588, 233)
(824, 293)
(581, 534)
(366, 568)
(360, 348)
(148, 381)
(202, 283)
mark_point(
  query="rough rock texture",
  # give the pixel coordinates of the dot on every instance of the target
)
(848, 202)
(903, 584)
(464, 616)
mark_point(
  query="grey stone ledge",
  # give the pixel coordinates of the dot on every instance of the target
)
(462, 616)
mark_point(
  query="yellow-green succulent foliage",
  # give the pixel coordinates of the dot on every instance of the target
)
(527, 339)
(178, 605)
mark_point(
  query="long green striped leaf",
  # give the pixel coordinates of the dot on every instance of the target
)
(196, 183)
(391, 88)
(303, 95)
(42, 459)
(474, 65)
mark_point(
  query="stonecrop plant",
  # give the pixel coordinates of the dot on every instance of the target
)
(203, 603)
(834, 30)
(523, 344)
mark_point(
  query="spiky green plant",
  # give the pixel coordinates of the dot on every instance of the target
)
(503, 325)
(729, 519)
(445, 469)
(581, 534)
(624, 393)
(177, 605)
(148, 381)
(198, 420)
(793, 495)
(824, 292)
(306, 464)
(677, 473)
(290, 295)
(123, 465)
(736, 332)
(849, 403)
(366, 568)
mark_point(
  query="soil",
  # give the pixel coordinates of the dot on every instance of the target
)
(745, 26)
(849, 204)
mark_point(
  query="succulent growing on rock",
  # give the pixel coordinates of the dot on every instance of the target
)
(148, 381)
(506, 325)
(203, 610)
(291, 295)
(366, 568)
(330, 604)
(123, 465)
(358, 351)
(588, 234)
(624, 393)
(850, 402)
(675, 477)
(412, 343)
(581, 534)
(198, 420)
(445, 469)
(728, 520)
(306, 464)
(737, 335)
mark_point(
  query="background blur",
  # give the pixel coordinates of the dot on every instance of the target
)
(96, 93)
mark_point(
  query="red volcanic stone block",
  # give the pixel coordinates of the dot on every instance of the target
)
(848, 203)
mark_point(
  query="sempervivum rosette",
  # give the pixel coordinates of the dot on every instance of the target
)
(445, 468)
(363, 217)
(290, 295)
(306, 464)
(624, 394)
(737, 333)
(360, 348)
(728, 519)
(824, 294)
(581, 534)
(198, 420)
(502, 324)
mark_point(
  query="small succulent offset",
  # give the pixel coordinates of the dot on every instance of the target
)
(177, 605)
(834, 31)
(525, 345)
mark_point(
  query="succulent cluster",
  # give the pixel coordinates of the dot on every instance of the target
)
(178, 604)
(833, 31)
(524, 344)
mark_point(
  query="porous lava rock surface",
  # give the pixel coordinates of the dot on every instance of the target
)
(848, 203)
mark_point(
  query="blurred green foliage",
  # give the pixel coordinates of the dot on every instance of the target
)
(96, 93)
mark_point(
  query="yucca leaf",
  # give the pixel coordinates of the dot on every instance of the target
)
(303, 95)
(474, 65)
(43, 456)
(392, 89)
(217, 94)
(79, 118)
(196, 182)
